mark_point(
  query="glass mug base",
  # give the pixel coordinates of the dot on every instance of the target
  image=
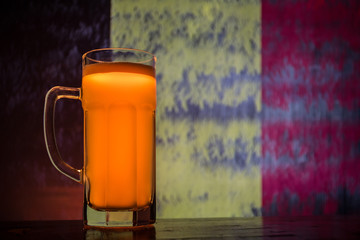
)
(121, 218)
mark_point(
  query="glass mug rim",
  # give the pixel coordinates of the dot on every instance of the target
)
(147, 60)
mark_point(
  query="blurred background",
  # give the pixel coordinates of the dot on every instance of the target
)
(257, 103)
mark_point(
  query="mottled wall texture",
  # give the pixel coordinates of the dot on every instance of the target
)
(311, 107)
(208, 101)
(41, 46)
(258, 103)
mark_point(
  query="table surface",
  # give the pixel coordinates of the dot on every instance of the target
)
(335, 227)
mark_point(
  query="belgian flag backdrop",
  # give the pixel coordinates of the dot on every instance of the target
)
(257, 103)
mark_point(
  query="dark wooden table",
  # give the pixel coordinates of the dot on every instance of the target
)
(339, 227)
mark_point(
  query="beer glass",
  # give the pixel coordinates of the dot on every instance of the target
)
(118, 96)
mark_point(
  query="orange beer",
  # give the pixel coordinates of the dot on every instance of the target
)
(119, 101)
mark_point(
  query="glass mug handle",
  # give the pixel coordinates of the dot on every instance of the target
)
(51, 98)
